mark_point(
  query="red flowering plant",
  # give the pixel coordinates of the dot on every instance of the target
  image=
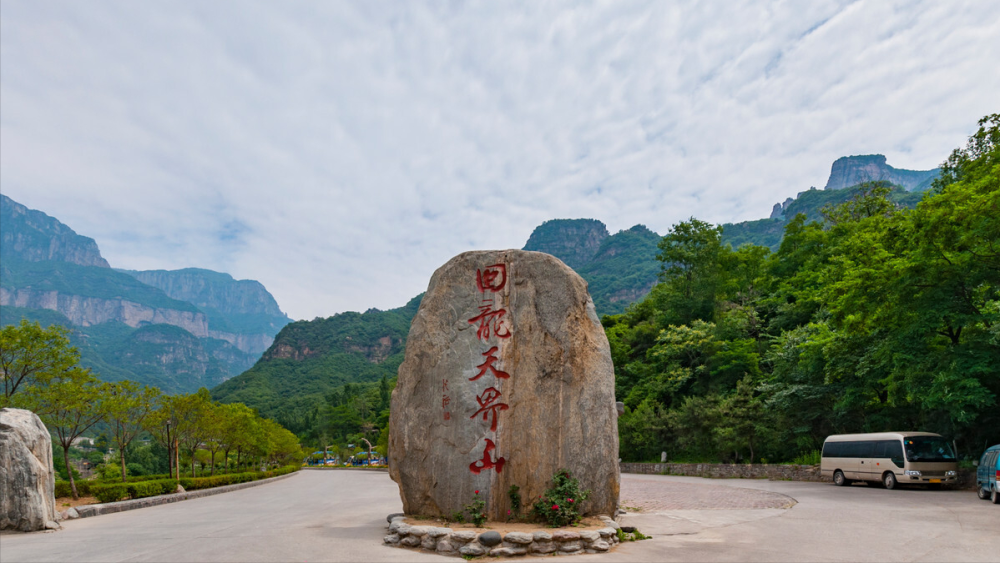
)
(560, 505)
(477, 510)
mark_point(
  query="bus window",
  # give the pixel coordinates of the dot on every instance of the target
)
(928, 449)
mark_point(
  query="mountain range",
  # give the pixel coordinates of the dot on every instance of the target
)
(178, 330)
(310, 358)
(183, 329)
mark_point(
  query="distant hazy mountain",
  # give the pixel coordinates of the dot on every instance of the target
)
(241, 312)
(845, 174)
(126, 328)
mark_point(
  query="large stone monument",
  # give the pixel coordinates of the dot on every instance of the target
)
(507, 379)
(27, 480)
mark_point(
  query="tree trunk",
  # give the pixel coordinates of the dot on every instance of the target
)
(193, 474)
(213, 463)
(170, 459)
(69, 471)
(239, 452)
(227, 461)
(121, 455)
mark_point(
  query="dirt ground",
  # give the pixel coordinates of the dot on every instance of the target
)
(62, 503)
(504, 527)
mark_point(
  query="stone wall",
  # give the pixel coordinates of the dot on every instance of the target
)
(966, 477)
(469, 543)
(728, 471)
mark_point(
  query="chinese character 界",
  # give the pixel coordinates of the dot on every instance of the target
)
(487, 463)
(488, 365)
(489, 405)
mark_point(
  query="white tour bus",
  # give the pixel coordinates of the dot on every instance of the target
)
(890, 458)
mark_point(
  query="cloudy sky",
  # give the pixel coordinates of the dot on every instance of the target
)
(340, 152)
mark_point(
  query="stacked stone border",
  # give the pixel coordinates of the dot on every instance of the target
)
(467, 543)
(966, 477)
(88, 510)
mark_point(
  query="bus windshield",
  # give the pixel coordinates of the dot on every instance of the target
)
(928, 448)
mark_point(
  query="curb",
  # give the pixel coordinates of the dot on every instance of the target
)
(372, 469)
(86, 511)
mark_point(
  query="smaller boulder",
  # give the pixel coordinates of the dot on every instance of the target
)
(518, 538)
(473, 549)
(489, 539)
(565, 535)
(541, 535)
(463, 536)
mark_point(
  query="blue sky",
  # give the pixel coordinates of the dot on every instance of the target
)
(340, 152)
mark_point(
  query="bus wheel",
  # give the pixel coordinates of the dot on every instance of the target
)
(995, 497)
(839, 479)
(889, 480)
(983, 493)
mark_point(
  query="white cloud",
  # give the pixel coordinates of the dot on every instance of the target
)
(340, 152)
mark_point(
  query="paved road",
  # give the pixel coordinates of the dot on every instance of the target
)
(340, 516)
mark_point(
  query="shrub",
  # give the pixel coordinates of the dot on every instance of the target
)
(110, 492)
(514, 494)
(477, 511)
(63, 489)
(145, 489)
(560, 505)
(811, 458)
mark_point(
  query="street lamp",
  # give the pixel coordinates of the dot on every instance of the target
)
(170, 458)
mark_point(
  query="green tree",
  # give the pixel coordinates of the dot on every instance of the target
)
(691, 254)
(70, 405)
(129, 405)
(32, 356)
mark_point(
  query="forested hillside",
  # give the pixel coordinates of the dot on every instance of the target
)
(619, 268)
(875, 318)
(768, 232)
(750, 341)
(309, 359)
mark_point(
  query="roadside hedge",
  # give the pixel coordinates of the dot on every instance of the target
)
(112, 492)
(63, 489)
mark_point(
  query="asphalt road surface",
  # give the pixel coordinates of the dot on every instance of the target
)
(340, 516)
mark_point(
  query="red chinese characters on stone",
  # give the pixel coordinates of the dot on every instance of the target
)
(490, 318)
(488, 402)
(487, 463)
(491, 278)
(488, 365)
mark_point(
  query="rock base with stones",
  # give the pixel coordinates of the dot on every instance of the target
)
(468, 543)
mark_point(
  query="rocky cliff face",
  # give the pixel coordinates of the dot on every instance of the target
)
(241, 312)
(850, 171)
(254, 344)
(89, 311)
(574, 241)
(34, 236)
(215, 290)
